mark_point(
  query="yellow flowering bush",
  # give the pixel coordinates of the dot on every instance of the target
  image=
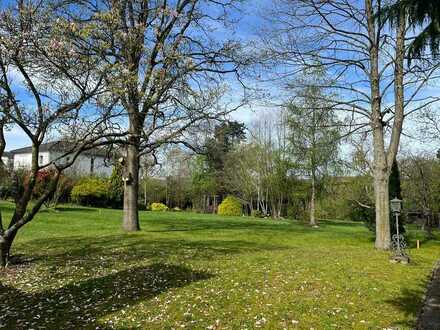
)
(159, 207)
(230, 206)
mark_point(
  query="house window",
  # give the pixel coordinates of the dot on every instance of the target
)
(41, 160)
(92, 164)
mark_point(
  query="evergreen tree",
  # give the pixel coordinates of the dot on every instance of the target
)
(226, 136)
(423, 15)
(116, 187)
(395, 191)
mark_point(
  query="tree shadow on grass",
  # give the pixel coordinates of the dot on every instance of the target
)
(256, 226)
(134, 248)
(176, 225)
(340, 223)
(81, 304)
(410, 302)
(72, 209)
(76, 209)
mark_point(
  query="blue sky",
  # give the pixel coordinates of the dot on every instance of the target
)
(249, 22)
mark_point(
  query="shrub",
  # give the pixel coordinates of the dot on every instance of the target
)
(12, 184)
(91, 191)
(257, 214)
(230, 206)
(159, 207)
(64, 189)
(43, 180)
(360, 213)
(62, 192)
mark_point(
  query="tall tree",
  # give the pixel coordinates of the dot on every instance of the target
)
(167, 67)
(45, 82)
(395, 191)
(366, 58)
(421, 14)
(271, 170)
(226, 136)
(420, 184)
(314, 135)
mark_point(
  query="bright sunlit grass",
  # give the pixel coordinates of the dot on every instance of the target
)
(199, 271)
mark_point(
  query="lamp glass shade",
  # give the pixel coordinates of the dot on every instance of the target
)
(396, 205)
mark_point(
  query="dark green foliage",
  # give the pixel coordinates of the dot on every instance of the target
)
(8, 186)
(225, 137)
(297, 209)
(395, 190)
(357, 212)
(116, 187)
(178, 191)
(298, 200)
(257, 214)
(424, 14)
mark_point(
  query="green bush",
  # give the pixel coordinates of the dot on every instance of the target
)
(12, 184)
(230, 206)
(257, 214)
(91, 191)
(360, 213)
(159, 207)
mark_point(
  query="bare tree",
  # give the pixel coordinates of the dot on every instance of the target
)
(420, 173)
(365, 56)
(44, 83)
(269, 173)
(166, 70)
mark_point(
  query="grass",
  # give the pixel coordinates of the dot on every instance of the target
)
(198, 271)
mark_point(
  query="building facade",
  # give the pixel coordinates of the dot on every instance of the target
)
(91, 162)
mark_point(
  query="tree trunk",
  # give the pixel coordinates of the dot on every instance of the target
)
(381, 168)
(258, 199)
(312, 204)
(131, 189)
(5, 249)
(4, 255)
(214, 205)
(145, 194)
(384, 157)
(383, 233)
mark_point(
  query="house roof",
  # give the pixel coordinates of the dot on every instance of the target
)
(7, 154)
(59, 146)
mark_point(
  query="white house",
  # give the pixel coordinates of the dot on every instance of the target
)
(89, 162)
(7, 159)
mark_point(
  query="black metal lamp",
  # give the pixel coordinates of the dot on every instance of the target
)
(396, 205)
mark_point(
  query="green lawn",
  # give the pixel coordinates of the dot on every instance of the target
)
(206, 272)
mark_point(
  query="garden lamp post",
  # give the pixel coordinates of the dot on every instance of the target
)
(398, 240)
(396, 208)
